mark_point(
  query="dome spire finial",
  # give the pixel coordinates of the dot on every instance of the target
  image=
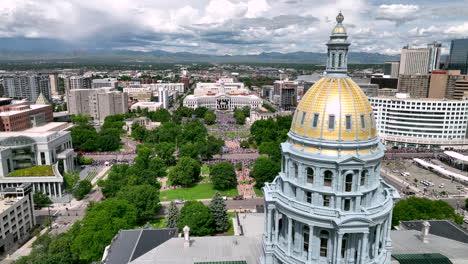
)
(339, 17)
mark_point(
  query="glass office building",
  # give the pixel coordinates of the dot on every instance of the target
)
(459, 55)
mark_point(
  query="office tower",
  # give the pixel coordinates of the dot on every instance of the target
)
(97, 103)
(53, 79)
(458, 59)
(392, 68)
(105, 83)
(329, 204)
(285, 94)
(27, 86)
(77, 82)
(416, 85)
(420, 60)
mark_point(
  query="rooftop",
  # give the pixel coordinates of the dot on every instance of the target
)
(15, 112)
(442, 228)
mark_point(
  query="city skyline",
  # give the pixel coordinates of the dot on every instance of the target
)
(228, 26)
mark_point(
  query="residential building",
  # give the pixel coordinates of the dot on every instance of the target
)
(34, 147)
(16, 216)
(392, 68)
(53, 79)
(27, 86)
(77, 82)
(21, 116)
(97, 103)
(420, 60)
(330, 166)
(417, 85)
(285, 94)
(458, 59)
(421, 123)
(105, 83)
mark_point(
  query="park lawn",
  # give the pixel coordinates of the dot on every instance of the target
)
(198, 191)
(258, 192)
(205, 170)
(159, 222)
(40, 170)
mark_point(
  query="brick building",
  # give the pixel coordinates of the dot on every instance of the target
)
(21, 116)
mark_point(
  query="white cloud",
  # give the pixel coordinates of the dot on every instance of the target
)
(398, 13)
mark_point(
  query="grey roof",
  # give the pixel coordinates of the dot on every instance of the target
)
(128, 245)
(442, 228)
(409, 242)
(205, 249)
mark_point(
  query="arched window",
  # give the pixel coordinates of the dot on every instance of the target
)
(333, 60)
(364, 174)
(349, 182)
(295, 170)
(343, 245)
(324, 243)
(327, 178)
(310, 175)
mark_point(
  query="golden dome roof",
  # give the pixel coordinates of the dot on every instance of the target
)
(334, 109)
(339, 29)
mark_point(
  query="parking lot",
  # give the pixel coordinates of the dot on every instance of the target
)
(418, 175)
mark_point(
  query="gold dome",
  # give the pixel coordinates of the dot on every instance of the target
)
(339, 29)
(334, 109)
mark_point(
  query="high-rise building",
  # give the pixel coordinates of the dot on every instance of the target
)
(53, 79)
(97, 103)
(392, 68)
(329, 204)
(77, 82)
(420, 60)
(458, 59)
(285, 94)
(27, 86)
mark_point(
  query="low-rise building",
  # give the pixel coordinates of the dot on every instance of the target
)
(21, 116)
(151, 106)
(16, 216)
(261, 113)
(142, 122)
(105, 83)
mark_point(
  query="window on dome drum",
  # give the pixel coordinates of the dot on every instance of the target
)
(331, 122)
(324, 243)
(303, 117)
(305, 235)
(315, 120)
(309, 197)
(326, 200)
(333, 60)
(343, 245)
(348, 122)
(363, 122)
(339, 60)
(347, 204)
(371, 116)
(327, 178)
(363, 177)
(310, 175)
(349, 182)
(295, 170)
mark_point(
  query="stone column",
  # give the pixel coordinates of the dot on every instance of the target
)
(60, 189)
(54, 188)
(311, 240)
(359, 248)
(50, 191)
(338, 246)
(364, 250)
(377, 240)
(34, 187)
(289, 235)
(268, 225)
(276, 226)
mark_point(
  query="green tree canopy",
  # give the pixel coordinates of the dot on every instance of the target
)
(172, 216)
(223, 176)
(186, 172)
(198, 217)
(219, 212)
(145, 198)
(200, 112)
(271, 148)
(210, 117)
(84, 187)
(265, 170)
(41, 199)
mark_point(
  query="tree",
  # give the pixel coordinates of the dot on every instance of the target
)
(210, 117)
(70, 180)
(41, 199)
(185, 172)
(145, 198)
(244, 144)
(84, 187)
(219, 212)
(102, 221)
(239, 116)
(108, 142)
(80, 119)
(210, 147)
(165, 151)
(271, 148)
(158, 166)
(200, 112)
(172, 216)
(223, 176)
(198, 217)
(190, 150)
(246, 111)
(160, 115)
(265, 170)
(415, 208)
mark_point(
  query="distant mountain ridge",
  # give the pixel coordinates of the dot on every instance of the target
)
(159, 56)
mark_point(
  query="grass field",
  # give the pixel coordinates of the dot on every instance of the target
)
(198, 191)
(159, 222)
(205, 169)
(40, 170)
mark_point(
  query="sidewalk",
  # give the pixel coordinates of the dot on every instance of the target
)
(23, 250)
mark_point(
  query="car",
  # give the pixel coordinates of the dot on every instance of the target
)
(177, 201)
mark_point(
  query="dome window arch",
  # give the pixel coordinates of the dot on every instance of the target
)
(328, 178)
(364, 176)
(310, 175)
(324, 237)
(349, 182)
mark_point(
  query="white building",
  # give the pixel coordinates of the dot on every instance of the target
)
(421, 123)
(16, 216)
(151, 106)
(225, 94)
(421, 60)
(105, 83)
(166, 93)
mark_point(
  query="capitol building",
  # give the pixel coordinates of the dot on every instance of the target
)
(329, 204)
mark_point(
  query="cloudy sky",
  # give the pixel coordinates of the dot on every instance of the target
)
(231, 26)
